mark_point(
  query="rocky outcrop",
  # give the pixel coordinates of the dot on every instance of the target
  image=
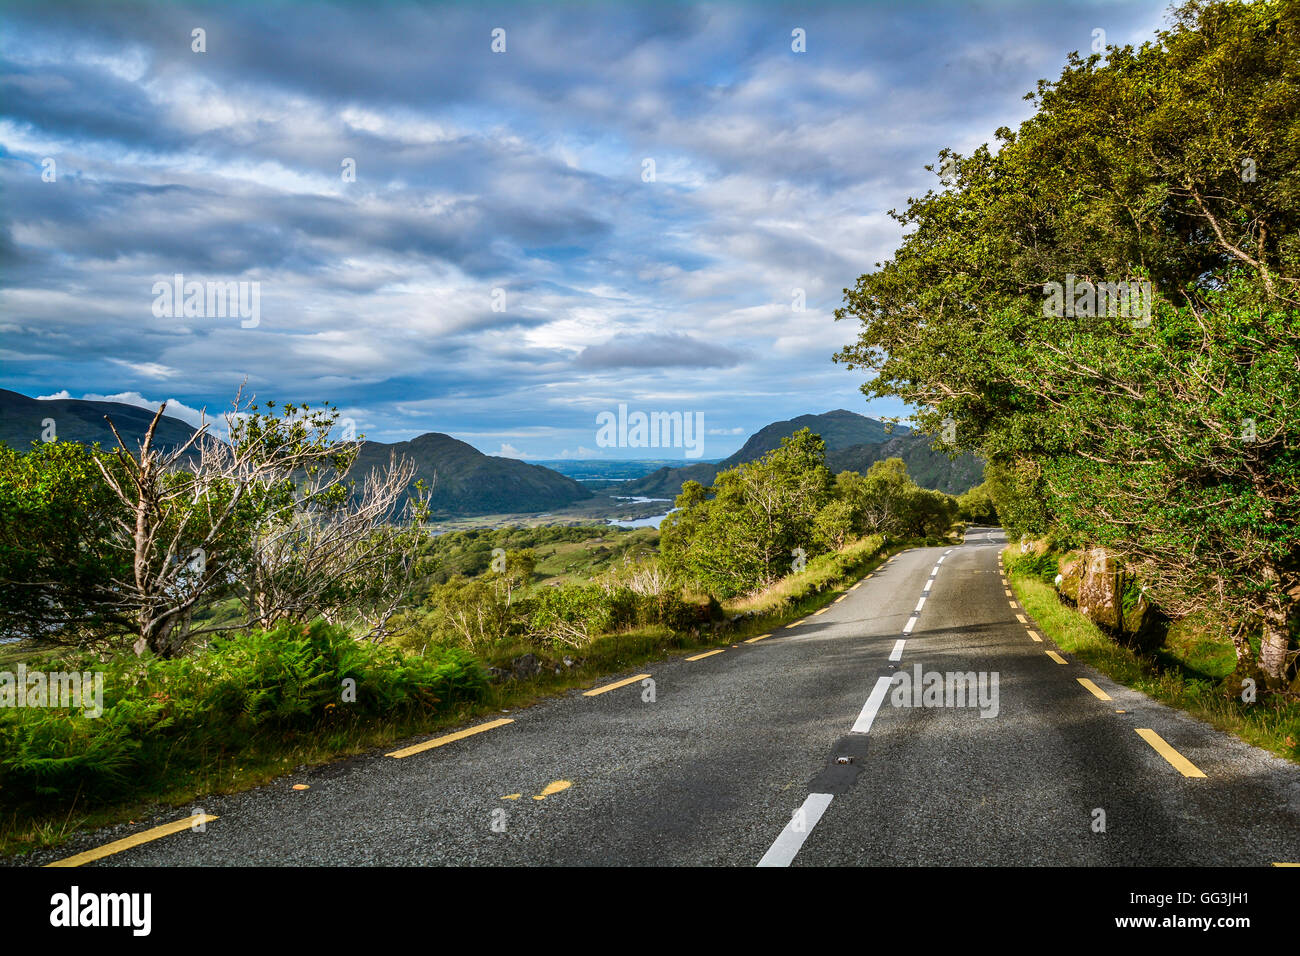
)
(1097, 584)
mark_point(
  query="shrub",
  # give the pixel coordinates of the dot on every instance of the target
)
(162, 715)
(1043, 567)
(572, 614)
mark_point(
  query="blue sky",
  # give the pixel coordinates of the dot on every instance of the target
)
(522, 171)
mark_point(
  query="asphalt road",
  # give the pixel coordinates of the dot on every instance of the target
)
(712, 767)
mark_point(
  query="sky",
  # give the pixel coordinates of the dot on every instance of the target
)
(494, 220)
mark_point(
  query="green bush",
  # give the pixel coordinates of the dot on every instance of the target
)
(1042, 567)
(162, 715)
(570, 615)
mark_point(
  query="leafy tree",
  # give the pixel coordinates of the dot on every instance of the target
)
(572, 614)
(976, 505)
(835, 524)
(746, 535)
(56, 524)
(99, 545)
(469, 612)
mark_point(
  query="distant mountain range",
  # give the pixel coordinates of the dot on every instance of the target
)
(465, 482)
(853, 443)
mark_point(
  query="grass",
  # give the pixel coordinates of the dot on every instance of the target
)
(1192, 672)
(266, 759)
(580, 560)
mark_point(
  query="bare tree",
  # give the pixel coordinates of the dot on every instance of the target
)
(268, 510)
(339, 556)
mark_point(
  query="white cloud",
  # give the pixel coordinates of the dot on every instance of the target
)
(508, 450)
(175, 409)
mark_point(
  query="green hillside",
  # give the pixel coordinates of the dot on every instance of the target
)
(22, 422)
(464, 481)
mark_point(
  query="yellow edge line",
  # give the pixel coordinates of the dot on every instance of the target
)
(1161, 746)
(449, 738)
(1286, 864)
(759, 638)
(795, 624)
(822, 611)
(1094, 689)
(700, 657)
(117, 846)
(1021, 618)
(1034, 635)
(615, 686)
(840, 598)
(1057, 657)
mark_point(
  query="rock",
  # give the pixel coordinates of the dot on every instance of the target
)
(1099, 589)
(496, 674)
(521, 668)
(1070, 577)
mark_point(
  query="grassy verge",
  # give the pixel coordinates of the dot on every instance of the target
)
(264, 758)
(1194, 684)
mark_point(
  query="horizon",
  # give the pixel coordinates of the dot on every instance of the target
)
(671, 461)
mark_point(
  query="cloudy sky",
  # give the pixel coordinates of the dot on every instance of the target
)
(616, 209)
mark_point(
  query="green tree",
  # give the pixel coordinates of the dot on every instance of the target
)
(56, 527)
(761, 515)
(976, 505)
(1171, 436)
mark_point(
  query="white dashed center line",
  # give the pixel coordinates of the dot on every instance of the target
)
(869, 709)
(783, 851)
(788, 844)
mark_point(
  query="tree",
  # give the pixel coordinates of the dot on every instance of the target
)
(761, 515)
(834, 524)
(336, 551)
(976, 505)
(472, 611)
(267, 508)
(56, 525)
(1169, 436)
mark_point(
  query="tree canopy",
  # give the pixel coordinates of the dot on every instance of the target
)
(1168, 434)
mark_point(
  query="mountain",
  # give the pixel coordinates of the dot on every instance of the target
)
(22, 421)
(853, 443)
(464, 481)
(468, 481)
(839, 429)
(928, 468)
